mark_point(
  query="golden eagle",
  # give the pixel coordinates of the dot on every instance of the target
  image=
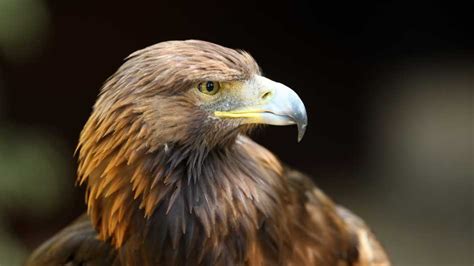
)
(172, 178)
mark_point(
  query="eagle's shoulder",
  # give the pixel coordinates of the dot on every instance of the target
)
(77, 244)
(369, 248)
(333, 233)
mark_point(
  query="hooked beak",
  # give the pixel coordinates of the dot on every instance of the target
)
(263, 101)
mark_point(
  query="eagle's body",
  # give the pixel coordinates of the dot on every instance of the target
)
(173, 180)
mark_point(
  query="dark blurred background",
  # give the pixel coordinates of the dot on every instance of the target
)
(388, 89)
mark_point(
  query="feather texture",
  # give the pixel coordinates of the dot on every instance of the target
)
(168, 185)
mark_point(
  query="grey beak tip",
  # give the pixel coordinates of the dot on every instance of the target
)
(301, 131)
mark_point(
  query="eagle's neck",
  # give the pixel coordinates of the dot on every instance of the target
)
(192, 198)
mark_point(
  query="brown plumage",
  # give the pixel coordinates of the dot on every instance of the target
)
(172, 178)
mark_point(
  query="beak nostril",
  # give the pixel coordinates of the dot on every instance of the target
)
(266, 95)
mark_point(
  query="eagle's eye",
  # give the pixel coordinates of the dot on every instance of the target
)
(209, 87)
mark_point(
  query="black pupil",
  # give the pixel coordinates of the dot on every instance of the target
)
(209, 86)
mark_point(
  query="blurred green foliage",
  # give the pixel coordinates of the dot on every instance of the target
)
(33, 180)
(24, 26)
(31, 168)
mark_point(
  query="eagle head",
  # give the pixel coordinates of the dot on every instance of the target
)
(196, 92)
